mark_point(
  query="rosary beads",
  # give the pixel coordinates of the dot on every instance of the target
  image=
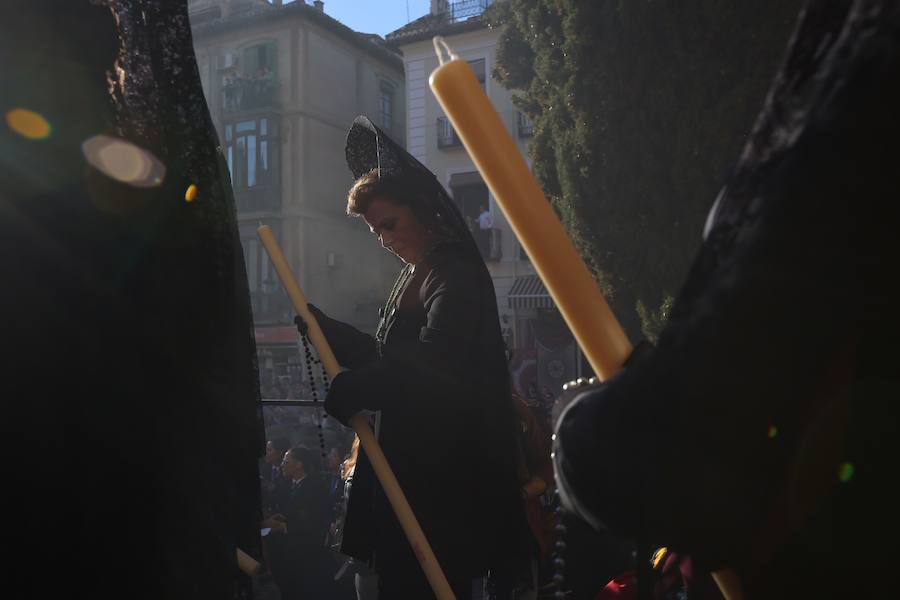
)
(323, 379)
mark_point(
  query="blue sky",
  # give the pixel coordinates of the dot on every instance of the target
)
(375, 16)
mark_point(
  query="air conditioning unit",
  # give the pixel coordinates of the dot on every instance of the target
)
(334, 259)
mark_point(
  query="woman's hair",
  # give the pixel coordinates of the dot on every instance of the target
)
(405, 191)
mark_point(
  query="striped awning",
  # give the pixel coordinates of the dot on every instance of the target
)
(529, 292)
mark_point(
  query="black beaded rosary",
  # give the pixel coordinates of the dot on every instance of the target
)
(559, 561)
(310, 360)
(559, 550)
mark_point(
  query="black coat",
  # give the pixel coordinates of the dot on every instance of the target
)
(447, 419)
(299, 560)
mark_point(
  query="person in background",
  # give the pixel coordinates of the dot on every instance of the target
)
(365, 580)
(300, 563)
(271, 478)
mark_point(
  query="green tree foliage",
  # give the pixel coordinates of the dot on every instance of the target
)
(640, 109)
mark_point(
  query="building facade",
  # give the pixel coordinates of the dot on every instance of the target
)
(283, 84)
(543, 352)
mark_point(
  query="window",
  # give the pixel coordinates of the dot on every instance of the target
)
(257, 58)
(446, 134)
(524, 125)
(386, 105)
(262, 281)
(471, 197)
(248, 152)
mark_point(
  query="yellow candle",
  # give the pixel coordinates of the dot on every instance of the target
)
(531, 216)
(408, 522)
(247, 563)
(506, 173)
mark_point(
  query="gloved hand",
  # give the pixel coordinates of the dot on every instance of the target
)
(588, 422)
(324, 321)
(342, 401)
(351, 347)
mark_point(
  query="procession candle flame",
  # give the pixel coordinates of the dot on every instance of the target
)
(531, 216)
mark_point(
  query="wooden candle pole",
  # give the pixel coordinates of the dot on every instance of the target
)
(409, 523)
(568, 280)
(247, 563)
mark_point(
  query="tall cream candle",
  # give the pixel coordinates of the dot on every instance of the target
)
(531, 216)
(506, 173)
(396, 497)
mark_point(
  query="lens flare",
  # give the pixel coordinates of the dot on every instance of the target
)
(845, 472)
(773, 431)
(123, 161)
(191, 194)
(28, 124)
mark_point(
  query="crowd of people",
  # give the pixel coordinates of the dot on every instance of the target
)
(302, 530)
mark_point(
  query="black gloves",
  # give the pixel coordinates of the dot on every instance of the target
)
(351, 347)
(343, 399)
(596, 459)
(324, 321)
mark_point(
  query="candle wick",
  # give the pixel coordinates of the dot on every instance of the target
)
(440, 47)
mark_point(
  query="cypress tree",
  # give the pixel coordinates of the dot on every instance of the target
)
(640, 108)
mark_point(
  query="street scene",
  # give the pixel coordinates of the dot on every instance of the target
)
(465, 300)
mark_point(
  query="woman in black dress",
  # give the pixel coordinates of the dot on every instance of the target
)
(436, 370)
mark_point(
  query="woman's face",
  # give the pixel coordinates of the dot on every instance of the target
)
(398, 229)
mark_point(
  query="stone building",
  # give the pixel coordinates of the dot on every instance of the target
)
(283, 84)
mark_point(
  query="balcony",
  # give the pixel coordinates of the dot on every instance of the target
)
(446, 135)
(489, 242)
(465, 9)
(242, 94)
(495, 248)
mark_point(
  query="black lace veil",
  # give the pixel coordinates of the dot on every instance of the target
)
(369, 148)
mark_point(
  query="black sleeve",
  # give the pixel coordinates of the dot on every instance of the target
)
(452, 300)
(432, 366)
(689, 448)
(352, 348)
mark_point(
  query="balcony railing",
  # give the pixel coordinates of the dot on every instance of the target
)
(446, 135)
(489, 242)
(464, 9)
(244, 94)
(524, 125)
